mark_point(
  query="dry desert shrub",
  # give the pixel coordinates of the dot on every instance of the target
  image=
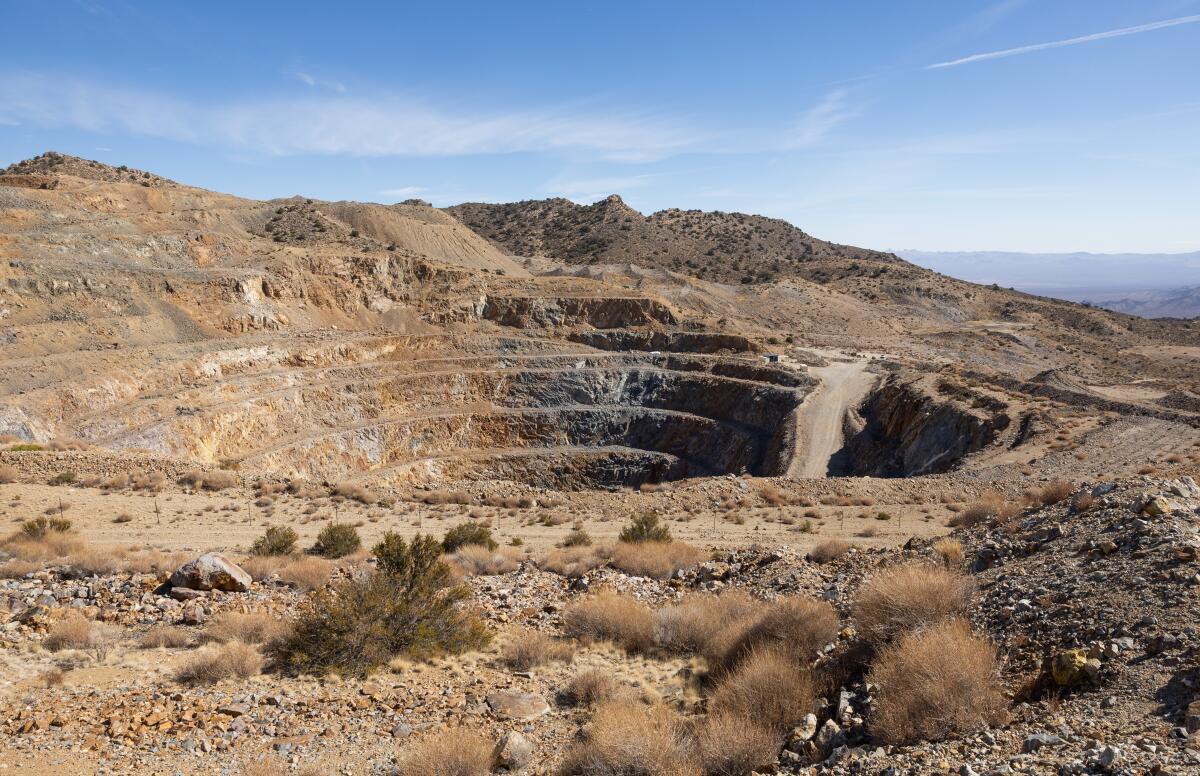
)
(630, 739)
(657, 560)
(906, 598)
(935, 683)
(355, 492)
(17, 568)
(262, 567)
(221, 661)
(476, 560)
(768, 686)
(307, 573)
(246, 627)
(169, 636)
(451, 752)
(771, 495)
(645, 527)
(436, 497)
(691, 625)
(8, 474)
(94, 561)
(828, 550)
(73, 632)
(950, 551)
(590, 688)
(572, 562)
(795, 626)
(217, 479)
(990, 507)
(1050, 493)
(468, 534)
(529, 648)
(608, 616)
(53, 545)
(733, 745)
(152, 481)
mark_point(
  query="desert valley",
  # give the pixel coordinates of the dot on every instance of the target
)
(299, 486)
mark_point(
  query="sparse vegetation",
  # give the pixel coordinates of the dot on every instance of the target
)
(645, 527)
(828, 550)
(934, 683)
(407, 607)
(590, 688)
(769, 687)
(906, 598)
(608, 616)
(468, 533)
(630, 739)
(337, 540)
(276, 540)
(451, 752)
(232, 660)
(528, 649)
(658, 560)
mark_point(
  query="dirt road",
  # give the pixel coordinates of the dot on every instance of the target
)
(819, 421)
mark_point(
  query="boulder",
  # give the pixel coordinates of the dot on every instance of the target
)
(1073, 666)
(212, 571)
(513, 751)
(512, 704)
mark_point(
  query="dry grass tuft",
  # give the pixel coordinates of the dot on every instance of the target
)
(828, 550)
(573, 562)
(691, 625)
(1050, 493)
(936, 683)
(769, 687)
(248, 628)
(355, 492)
(658, 560)
(950, 551)
(169, 636)
(223, 661)
(8, 474)
(590, 688)
(797, 627)
(73, 632)
(307, 573)
(529, 648)
(608, 616)
(476, 560)
(630, 739)
(451, 752)
(15, 569)
(991, 507)
(733, 745)
(906, 598)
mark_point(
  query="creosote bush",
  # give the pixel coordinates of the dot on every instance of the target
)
(906, 598)
(276, 540)
(645, 527)
(409, 606)
(468, 533)
(337, 540)
(40, 527)
(934, 683)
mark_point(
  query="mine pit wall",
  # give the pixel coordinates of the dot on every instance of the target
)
(600, 312)
(910, 428)
(669, 341)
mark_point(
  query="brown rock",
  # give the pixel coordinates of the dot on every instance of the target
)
(212, 571)
(513, 704)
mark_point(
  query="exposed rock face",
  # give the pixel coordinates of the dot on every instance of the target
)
(601, 312)
(212, 571)
(671, 341)
(914, 426)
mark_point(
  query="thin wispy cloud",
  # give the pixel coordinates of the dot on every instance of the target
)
(821, 119)
(590, 190)
(1012, 52)
(308, 79)
(390, 125)
(403, 192)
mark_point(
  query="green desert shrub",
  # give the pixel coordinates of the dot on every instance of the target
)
(468, 533)
(645, 528)
(39, 527)
(409, 606)
(337, 540)
(276, 540)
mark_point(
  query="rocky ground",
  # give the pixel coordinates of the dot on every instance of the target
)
(1090, 602)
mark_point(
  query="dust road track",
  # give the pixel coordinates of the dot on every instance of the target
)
(819, 421)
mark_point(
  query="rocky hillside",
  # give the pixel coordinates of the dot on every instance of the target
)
(717, 246)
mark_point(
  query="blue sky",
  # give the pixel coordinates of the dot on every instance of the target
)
(1034, 125)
